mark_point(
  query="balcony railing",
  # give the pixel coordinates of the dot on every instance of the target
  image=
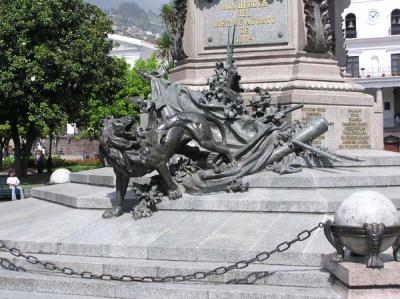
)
(351, 33)
(377, 72)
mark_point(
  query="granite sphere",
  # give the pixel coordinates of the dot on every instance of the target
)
(366, 207)
(60, 176)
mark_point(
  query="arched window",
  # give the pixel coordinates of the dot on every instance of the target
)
(375, 70)
(395, 28)
(351, 26)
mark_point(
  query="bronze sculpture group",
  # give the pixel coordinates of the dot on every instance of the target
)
(203, 142)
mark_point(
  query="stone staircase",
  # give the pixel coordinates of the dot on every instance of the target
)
(168, 244)
(62, 224)
(43, 286)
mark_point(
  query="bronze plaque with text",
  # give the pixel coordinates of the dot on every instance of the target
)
(258, 22)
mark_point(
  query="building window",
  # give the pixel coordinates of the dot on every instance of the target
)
(395, 28)
(387, 106)
(353, 66)
(395, 64)
(351, 26)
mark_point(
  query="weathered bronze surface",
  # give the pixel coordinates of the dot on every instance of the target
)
(202, 142)
(373, 235)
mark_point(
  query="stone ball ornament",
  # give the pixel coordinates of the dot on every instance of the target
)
(60, 176)
(366, 223)
(367, 207)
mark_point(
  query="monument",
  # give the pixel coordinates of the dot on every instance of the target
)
(254, 135)
(286, 47)
(206, 142)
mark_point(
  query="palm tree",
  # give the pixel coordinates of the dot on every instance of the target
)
(165, 50)
(166, 43)
(168, 16)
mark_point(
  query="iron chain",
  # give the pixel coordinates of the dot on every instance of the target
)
(261, 257)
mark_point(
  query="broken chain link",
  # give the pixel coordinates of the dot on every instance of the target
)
(263, 256)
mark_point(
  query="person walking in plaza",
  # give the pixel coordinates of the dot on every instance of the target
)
(14, 184)
(397, 120)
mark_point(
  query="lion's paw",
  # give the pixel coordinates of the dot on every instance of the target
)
(337, 258)
(112, 213)
(174, 194)
(375, 262)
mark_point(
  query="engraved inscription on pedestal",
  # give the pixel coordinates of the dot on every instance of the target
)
(258, 22)
(309, 113)
(355, 131)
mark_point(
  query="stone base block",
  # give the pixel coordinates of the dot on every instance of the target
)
(355, 120)
(366, 293)
(354, 273)
(279, 70)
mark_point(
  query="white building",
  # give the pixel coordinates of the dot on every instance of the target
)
(131, 48)
(372, 32)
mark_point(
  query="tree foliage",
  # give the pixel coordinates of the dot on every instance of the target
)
(50, 119)
(164, 51)
(167, 14)
(121, 106)
(53, 58)
(136, 86)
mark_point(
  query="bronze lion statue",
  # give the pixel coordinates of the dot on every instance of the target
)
(134, 152)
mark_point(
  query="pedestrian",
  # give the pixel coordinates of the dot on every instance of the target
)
(85, 155)
(40, 162)
(397, 120)
(14, 184)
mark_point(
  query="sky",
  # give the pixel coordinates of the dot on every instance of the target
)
(154, 5)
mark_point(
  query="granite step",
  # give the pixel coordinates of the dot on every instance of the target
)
(98, 177)
(278, 200)
(303, 256)
(257, 274)
(81, 196)
(295, 200)
(371, 158)
(27, 282)
(339, 177)
(12, 294)
(37, 226)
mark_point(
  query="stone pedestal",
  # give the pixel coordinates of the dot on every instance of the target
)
(354, 280)
(270, 44)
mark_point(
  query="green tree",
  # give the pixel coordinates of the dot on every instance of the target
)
(164, 50)
(135, 86)
(53, 52)
(167, 14)
(51, 120)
